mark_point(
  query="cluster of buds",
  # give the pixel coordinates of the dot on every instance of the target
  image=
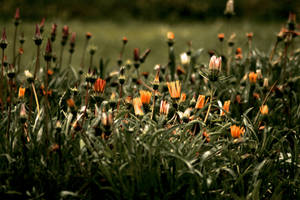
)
(65, 35)
(72, 43)
(37, 37)
(215, 65)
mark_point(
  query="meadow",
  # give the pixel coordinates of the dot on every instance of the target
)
(137, 111)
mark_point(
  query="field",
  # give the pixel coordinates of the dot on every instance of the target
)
(218, 122)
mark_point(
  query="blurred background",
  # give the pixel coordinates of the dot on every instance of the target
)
(162, 10)
(109, 21)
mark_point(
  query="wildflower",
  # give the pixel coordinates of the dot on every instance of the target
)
(229, 10)
(174, 89)
(72, 40)
(221, 37)
(17, 17)
(170, 36)
(71, 103)
(3, 41)
(164, 107)
(236, 131)
(155, 83)
(50, 72)
(48, 51)
(145, 96)
(200, 102)
(185, 59)
(264, 110)
(180, 70)
(259, 74)
(21, 92)
(256, 95)
(182, 97)
(137, 105)
(53, 32)
(266, 82)
(88, 35)
(252, 77)
(249, 36)
(215, 63)
(225, 107)
(37, 37)
(23, 114)
(238, 54)
(99, 85)
(125, 40)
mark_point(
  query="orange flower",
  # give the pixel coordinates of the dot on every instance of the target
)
(164, 107)
(170, 35)
(183, 97)
(264, 110)
(225, 107)
(21, 92)
(174, 89)
(221, 36)
(50, 72)
(252, 77)
(200, 102)
(249, 35)
(71, 103)
(137, 105)
(236, 131)
(88, 35)
(206, 135)
(99, 85)
(145, 96)
(21, 51)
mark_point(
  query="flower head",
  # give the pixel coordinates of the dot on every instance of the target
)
(236, 131)
(99, 85)
(215, 63)
(185, 59)
(252, 77)
(137, 105)
(164, 107)
(264, 110)
(200, 102)
(221, 37)
(225, 107)
(21, 92)
(229, 10)
(145, 96)
(174, 89)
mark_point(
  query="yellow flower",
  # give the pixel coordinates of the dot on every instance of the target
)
(264, 110)
(252, 77)
(21, 92)
(174, 89)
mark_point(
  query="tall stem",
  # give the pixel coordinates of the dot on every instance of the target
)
(14, 46)
(61, 55)
(37, 63)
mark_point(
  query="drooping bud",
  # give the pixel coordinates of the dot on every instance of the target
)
(3, 41)
(37, 37)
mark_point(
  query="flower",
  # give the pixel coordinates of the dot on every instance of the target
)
(164, 107)
(225, 107)
(229, 10)
(238, 54)
(137, 105)
(170, 36)
(21, 92)
(185, 59)
(264, 110)
(215, 63)
(183, 97)
(236, 131)
(249, 35)
(145, 96)
(99, 85)
(221, 37)
(88, 35)
(200, 102)
(174, 89)
(125, 40)
(252, 77)
(71, 103)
